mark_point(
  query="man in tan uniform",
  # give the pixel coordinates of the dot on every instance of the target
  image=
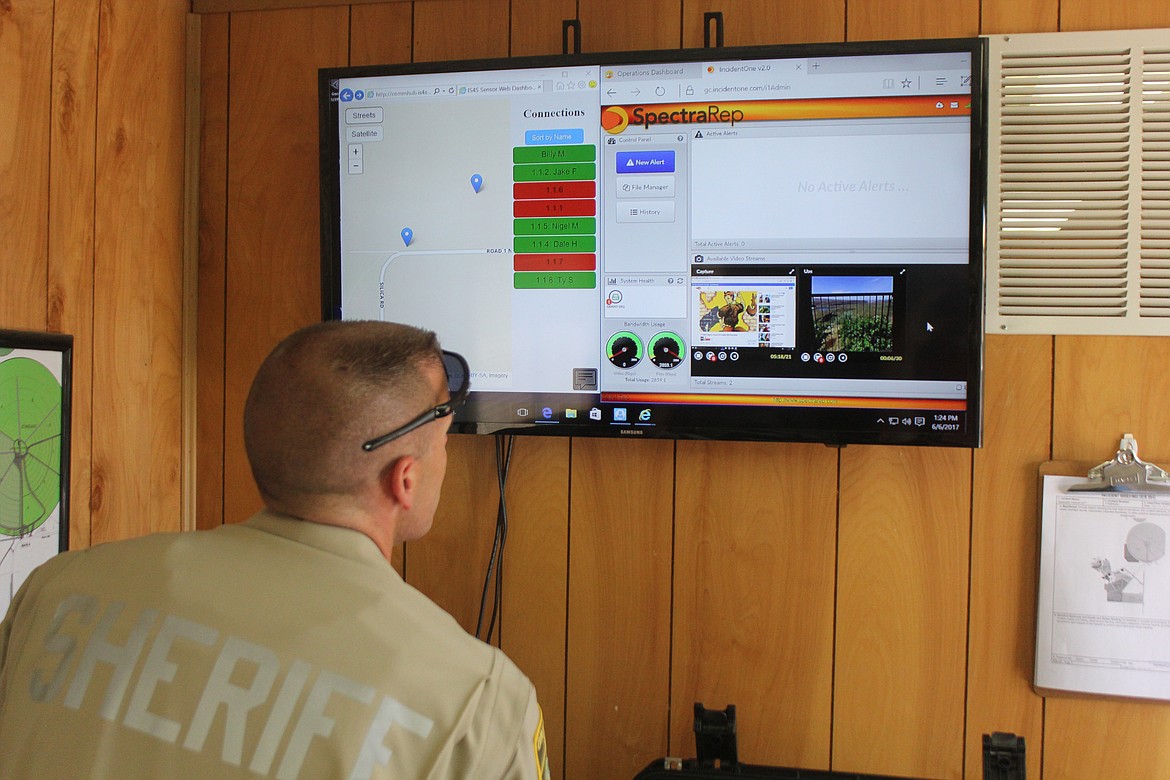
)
(285, 646)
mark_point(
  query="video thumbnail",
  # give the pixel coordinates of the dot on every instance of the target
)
(853, 313)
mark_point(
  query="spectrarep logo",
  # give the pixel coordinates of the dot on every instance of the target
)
(615, 119)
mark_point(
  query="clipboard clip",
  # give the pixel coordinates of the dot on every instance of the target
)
(1126, 473)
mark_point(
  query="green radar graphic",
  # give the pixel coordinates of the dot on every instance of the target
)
(30, 445)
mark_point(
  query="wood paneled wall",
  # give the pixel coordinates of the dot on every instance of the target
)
(91, 243)
(866, 609)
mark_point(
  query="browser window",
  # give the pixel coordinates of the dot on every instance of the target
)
(771, 232)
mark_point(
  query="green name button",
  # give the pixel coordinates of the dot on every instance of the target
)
(573, 280)
(555, 172)
(530, 244)
(554, 154)
(540, 226)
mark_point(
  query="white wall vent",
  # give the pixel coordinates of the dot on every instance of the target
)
(1078, 233)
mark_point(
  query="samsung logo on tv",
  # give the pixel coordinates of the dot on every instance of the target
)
(631, 432)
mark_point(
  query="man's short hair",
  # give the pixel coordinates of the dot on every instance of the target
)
(323, 391)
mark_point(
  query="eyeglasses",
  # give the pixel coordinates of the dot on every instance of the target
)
(458, 385)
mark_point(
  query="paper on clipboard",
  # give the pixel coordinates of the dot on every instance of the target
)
(1103, 622)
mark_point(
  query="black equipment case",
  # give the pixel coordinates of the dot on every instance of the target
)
(717, 757)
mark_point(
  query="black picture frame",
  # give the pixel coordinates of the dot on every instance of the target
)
(36, 388)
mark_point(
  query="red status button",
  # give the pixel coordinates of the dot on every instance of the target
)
(554, 208)
(556, 262)
(540, 190)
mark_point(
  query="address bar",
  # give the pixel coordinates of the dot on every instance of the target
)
(746, 89)
(397, 92)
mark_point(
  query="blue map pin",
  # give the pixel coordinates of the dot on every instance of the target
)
(407, 236)
(476, 182)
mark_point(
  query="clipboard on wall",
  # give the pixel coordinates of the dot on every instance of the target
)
(1103, 612)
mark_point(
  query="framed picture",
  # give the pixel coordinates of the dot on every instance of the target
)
(35, 395)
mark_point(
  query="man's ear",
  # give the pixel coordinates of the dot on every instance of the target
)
(400, 481)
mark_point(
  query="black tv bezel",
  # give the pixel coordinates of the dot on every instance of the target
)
(972, 434)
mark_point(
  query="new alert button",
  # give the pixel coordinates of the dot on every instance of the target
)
(646, 162)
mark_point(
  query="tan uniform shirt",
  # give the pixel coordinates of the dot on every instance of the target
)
(275, 648)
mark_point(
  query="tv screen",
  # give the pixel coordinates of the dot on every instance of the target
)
(776, 243)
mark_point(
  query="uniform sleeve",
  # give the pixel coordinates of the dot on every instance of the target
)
(530, 760)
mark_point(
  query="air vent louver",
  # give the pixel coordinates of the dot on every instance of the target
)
(1079, 183)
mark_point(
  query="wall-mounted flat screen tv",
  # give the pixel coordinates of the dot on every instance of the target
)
(769, 243)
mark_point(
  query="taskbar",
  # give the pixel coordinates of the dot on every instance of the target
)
(666, 415)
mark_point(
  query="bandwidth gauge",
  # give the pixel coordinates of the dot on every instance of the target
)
(667, 350)
(624, 349)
